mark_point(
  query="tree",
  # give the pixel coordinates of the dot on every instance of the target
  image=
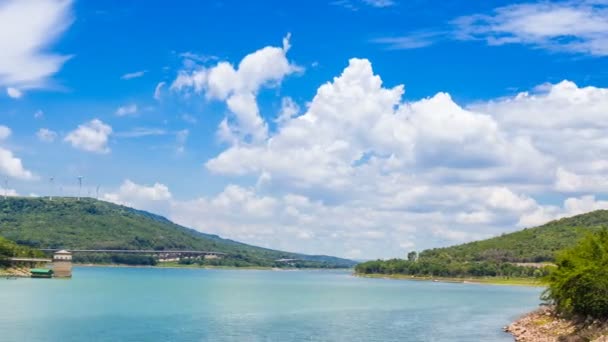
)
(411, 256)
(579, 284)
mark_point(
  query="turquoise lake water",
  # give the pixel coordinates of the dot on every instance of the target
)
(155, 304)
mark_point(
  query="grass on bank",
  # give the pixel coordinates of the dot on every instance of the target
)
(468, 280)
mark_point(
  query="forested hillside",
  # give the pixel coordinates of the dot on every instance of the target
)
(93, 224)
(10, 249)
(528, 245)
(499, 256)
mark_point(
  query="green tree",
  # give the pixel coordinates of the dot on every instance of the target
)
(411, 256)
(579, 283)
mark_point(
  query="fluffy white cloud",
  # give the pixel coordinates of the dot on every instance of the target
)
(14, 92)
(360, 172)
(126, 110)
(133, 75)
(289, 109)
(238, 87)
(572, 206)
(12, 166)
(445, 172)
(363, 130)
(584, 204)
(554, 114)
(299, 223)
(46, 135)
(291, 222)
(131, 192)
(552, 106)
(578, 26)
(571, 182)
(30, 27)
(153, 197)
(9, 164)
(91, 136)
(352, 229)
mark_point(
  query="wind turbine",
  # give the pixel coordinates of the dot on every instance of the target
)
(52, 181)
(79, 186)
(97, 193)
(5, 188)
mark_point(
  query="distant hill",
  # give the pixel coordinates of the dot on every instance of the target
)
(92, 224)
(529, 245)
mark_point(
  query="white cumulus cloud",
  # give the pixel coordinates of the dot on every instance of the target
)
(153, 197)
(12, 166)
(238, 86)
(361, 171)
(360, 127)
(91, 136)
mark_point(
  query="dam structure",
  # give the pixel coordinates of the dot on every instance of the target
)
(62, 264)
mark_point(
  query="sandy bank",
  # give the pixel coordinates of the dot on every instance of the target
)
(15, 272)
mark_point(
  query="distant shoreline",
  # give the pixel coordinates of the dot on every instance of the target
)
(175, 266)
(24, 271)
(469, 280)
(210, 267)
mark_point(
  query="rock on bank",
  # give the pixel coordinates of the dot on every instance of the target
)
(544, 325)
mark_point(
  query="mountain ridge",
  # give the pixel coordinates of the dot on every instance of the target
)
(66, 222)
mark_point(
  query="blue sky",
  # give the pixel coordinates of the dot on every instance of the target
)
(358, 128)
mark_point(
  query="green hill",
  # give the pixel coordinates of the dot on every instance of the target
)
(501, 256)
(537, 244)
(92, 224)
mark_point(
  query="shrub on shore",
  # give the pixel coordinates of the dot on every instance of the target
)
(579, 283)
(445, 267)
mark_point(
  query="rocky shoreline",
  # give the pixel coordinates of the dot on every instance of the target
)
(544, 325)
